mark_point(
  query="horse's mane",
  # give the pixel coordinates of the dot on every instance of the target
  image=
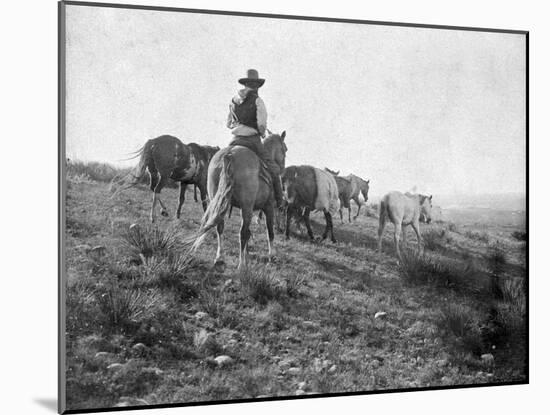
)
(421, 198)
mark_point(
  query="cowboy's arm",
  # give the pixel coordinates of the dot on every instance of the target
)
(261, 116)
(230, 117)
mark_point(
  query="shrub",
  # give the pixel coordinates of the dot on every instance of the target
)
(478, 236)
(461, 322)
(79, 302)
(134, 379)
(497, 263)
(101, 172)
(144, 242)
(512, 319)
(452, 227)
(513, 291)
(206, 343)
(124, 305)
(520, 236)
(261, 285)
(435, 240)
(293, 284)
(212, 301)
(497, 258)
(423, 269)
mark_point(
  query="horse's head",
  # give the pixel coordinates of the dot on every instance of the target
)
(365, 189)
(288, 180)
(426, 207)
(276, 148)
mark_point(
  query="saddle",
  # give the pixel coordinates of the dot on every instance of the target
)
(264, 170)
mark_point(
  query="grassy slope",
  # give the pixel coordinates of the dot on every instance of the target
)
(324, 333)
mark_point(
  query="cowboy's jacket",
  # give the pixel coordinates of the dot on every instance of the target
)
(247, 114)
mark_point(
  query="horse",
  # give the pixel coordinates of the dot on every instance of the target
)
(238, 178)
(166, 157)
(359, 186)
(403, 210)
(349, 188)
(307, 189)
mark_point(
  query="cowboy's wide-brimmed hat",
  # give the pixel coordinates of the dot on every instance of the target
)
(252, 77)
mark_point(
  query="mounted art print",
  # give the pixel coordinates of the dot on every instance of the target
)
(264, 206)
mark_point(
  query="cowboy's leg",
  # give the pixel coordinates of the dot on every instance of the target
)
(274, 172)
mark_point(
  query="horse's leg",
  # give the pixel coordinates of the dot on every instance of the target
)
(403, 237)
(349, 213)
(340, 212)
(358, 208)
(195, 193)
(269, 216)
(220, 261)
(183, 187)
(246, 215)
(416, 227)
(396, 235)
(308, 223)
(204, 193)
(381, 226)
(279, 219)
(161, 183)
(153, 181)
(330, 226)
(289, 211)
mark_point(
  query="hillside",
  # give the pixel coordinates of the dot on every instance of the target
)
(148, 325)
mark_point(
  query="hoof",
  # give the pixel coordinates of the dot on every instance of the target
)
(164, 213)
(334, 241)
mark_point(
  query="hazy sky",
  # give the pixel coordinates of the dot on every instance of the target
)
(438, 109)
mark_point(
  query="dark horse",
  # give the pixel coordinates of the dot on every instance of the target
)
(310, 189)
(166, 157)
(236, 177)
(349, 188)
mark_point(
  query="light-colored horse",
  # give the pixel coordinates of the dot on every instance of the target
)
(403, 210)
(236, 178)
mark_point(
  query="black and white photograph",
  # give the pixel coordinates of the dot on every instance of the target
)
(261, 206)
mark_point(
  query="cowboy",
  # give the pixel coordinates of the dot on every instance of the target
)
(247, 120)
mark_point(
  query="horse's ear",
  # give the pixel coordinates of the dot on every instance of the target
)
(283, 135)
(431, 198)
(368, 181)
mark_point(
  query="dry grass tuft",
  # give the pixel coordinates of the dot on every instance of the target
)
(260, 283)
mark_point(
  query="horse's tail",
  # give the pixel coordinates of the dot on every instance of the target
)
(132, 178)
(220, 203)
